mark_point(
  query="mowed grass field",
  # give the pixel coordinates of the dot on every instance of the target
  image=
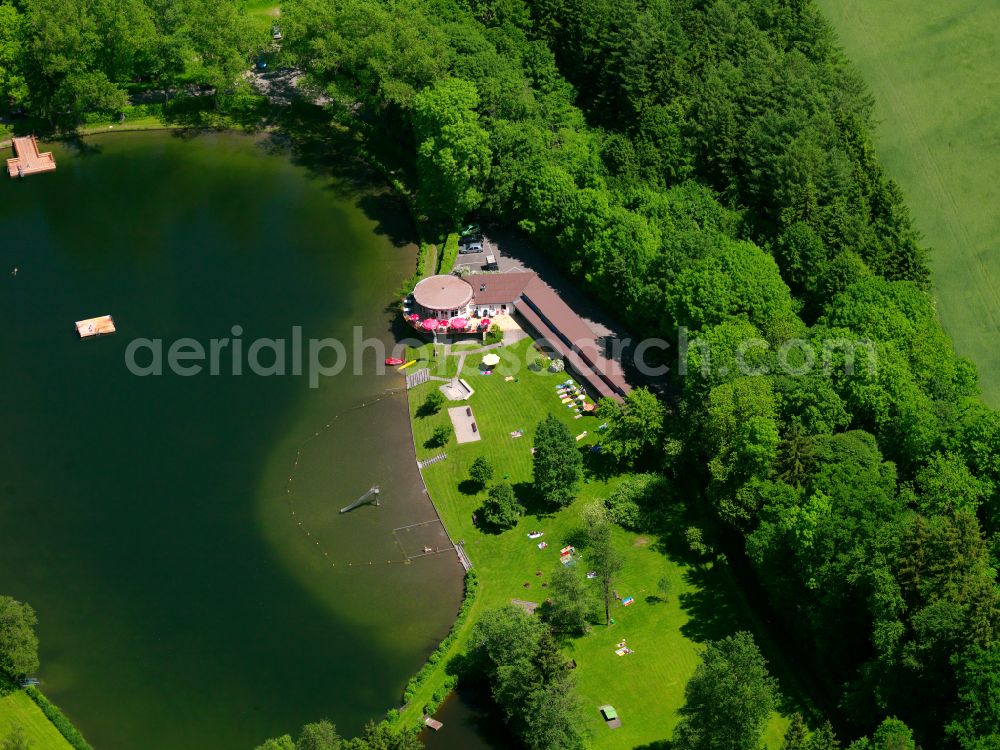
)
(934, 70)
(666, 632)
(16, 708)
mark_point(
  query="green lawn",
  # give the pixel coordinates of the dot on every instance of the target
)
(646, 687)
(934, 69)
(262, 8)
(17, 708)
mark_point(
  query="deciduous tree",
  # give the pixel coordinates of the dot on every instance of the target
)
(481, 471)
(570, 605)
(500, 509)
(557, 464)
(18, 642)
(728, 699)
(635, 427)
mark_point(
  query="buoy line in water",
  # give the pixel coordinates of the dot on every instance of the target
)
(289, 495)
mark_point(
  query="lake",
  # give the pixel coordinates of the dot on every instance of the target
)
(179, 535)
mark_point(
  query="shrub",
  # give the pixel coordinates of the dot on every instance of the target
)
(440, 436)
(494, 335)
(58, 719)
(501, 509)
(634, 499)
(449, 255)
(432, 404)
(471, 586)
(481, 471)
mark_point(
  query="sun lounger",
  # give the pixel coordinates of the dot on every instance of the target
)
(582, 435)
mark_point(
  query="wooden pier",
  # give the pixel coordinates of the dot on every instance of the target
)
(98, 326)
(28, 160)
(432, 723)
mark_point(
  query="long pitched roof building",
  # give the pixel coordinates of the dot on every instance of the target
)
(554, 322)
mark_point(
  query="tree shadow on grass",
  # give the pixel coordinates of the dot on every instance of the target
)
(718, 607)
(599, 464)
(669, 522)
(427, 410)
(719, 601)
(533, 501)
(470, 487)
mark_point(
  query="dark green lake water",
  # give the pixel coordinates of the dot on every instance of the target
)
(147, 519)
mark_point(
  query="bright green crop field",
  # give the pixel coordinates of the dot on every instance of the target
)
(934, 70)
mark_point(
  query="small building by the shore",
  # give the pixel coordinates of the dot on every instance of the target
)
(477, 295)
(455, 305)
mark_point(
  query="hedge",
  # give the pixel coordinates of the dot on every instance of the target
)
(471, 585)
(58, 719)
(450, 254)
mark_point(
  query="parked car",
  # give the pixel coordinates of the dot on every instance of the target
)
(471, 247)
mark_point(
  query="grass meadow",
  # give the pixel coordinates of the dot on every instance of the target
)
(934, 70)
(16, 708)
(703, 601)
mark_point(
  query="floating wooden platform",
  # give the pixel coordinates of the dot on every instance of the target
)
(98, 326)
(28, 160)
(433, 723)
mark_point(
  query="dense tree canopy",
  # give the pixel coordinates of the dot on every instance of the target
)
(530, 682)
(63, 59)
(728, 700)
(709, 166)
(18, 642)
(703, 165)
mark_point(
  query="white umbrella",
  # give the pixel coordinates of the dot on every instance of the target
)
(491, 359)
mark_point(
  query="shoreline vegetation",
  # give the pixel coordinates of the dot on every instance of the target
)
(508, 565)
(59, 720)
(27, 717)
(705, 166)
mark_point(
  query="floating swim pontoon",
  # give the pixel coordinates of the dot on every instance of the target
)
(99, 326)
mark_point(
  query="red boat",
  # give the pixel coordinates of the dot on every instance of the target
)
(393, 361)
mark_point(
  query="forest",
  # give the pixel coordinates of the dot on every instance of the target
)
(696, 164)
